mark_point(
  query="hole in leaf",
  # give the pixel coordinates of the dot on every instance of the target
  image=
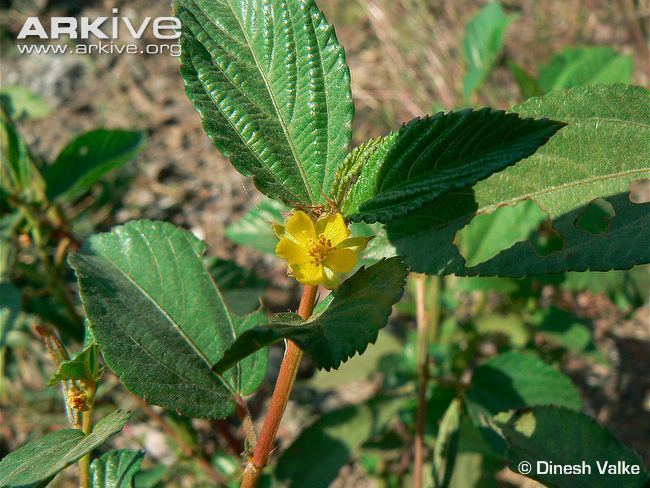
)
(546, 240)
(486, 235)
(597, 217)
(83, 150)
(640, 191)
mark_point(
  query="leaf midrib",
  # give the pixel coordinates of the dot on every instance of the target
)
(285, 130)
(174, 326)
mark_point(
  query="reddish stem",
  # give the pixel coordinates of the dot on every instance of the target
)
(281, 392)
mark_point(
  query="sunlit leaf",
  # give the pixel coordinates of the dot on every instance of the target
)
(273, 89)
(115, 469)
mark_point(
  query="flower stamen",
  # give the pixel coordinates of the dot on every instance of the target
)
(319, 249)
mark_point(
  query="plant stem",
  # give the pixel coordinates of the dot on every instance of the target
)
(427, 324)
(84, 462)
(281, 392)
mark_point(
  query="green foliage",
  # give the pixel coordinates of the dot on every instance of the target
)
(431, 156)
(332, 441)
(345, 326)
(20, 103)
(115, 469)
(10, 306)
(515, 380)
(446, 446)
(273, 89)
(484, 39)
(83, 366)
(254, 228)
(85, 159)
(240, 288)
(565, 437)
(578, 165)
(37, 462)
(161, 320)
(564, 328)
(582, 66)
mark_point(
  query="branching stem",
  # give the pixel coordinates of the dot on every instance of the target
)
(281, 392)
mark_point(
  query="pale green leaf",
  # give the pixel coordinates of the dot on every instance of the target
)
(160, 319)
(391, 176)
(582, 66)
(446, 446)
(85, 159)
(515, 380)
(40, 460)
(564, 437)
(484, 38)
(19, 102)
(346, 325)
(271, 84)
(599, 154)
(254, 228)
(115, 469)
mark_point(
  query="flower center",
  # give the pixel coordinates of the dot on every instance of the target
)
(319, 249)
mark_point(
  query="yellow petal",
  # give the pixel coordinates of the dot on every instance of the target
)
(278, 230)
(357, 244)
(331, 280)
(341, 260)
(334, 228)
(291, 252)
(300, 227)
(308, 273)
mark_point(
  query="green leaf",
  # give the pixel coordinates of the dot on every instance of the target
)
(40, 460)
(446, 446)
(254, 228)
(19, 175)
(329, 443)
(563, 437)
(19, 102)
(565, 329)
(487, 235)
(160, 319)
(115, 469)
(511, 326)
(347, 325)
(84, 366)
(582, 66)
(528, 86)
(10, 307)
(598, 155)
(484, 38)
(271, 84)
(428, 157)
(241, 288)
(515, 380)
(85, 159)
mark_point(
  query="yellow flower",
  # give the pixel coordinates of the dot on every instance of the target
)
(318, 252)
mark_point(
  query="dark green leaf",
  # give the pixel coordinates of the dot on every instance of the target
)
(566, 329)
(89, 157)
(273, 89)
(254, 229)
(330, 442)
(115, 469)
(161, 320)
(516, 380)
(40, 460)
(603, 150)
(10, 306)
(582, 66)
(447, 444)
(241, 288)
(349, 323)
(564, 437)
(428, 157)
(484, 37)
